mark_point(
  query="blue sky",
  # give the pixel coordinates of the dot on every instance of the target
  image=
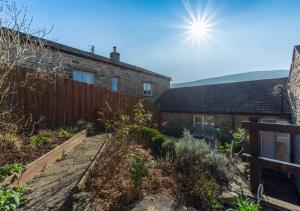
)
(248, 35)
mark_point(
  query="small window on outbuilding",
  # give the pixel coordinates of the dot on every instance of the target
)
(198, 120)
(83, 76)
(147, 89)
(115, 83)
(203, 120)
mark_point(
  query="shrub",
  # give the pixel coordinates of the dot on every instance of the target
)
(241, 203)
(38, 140)
(141, 116)
(241, 139)
(139, 165)
(173, 129)
(149, 137)
(223, 136)
(11, 169)
(195, 152)
(169, 149)
(201, 170)
(198, 189)
(10, 198)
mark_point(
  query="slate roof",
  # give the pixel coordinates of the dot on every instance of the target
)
(96, 57)
(298, 48)
(250, 97)
(85, 54)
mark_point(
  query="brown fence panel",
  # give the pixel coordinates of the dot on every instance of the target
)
(64, 102)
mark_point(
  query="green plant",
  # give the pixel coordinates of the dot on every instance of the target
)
(65, 133)
(141, 116)
(196, 152)
(10, 140)
(46, 133)
(10, 198)
(241, 139)
(11, 169)
(223, 136)
(173, 128)
(169, 149)
(242, 203)
(38, 140)
(198, 188)
(149, 137)
(238, 143)
(139, 165)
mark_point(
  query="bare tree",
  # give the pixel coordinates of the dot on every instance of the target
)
(21, 47)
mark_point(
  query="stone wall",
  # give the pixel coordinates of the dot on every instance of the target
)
(130, 80)
(294, 87)
(294, 95)
(223, 121)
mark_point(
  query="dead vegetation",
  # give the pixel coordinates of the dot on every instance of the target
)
(188, 171)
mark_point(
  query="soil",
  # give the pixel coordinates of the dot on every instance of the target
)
(25, 153)
(111, 185)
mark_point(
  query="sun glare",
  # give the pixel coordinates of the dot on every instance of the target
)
(198, 24)
(199, 29)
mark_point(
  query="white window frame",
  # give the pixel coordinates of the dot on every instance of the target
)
(202, 117)
(199, 116)
(82, 77)
(147, 89)
(116, 78)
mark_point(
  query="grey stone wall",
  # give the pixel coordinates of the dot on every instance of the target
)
(223, 121)
(130, 80)
(294, 96)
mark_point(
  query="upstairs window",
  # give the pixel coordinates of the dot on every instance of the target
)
(114, 83)
(82, 76)
(147, 89)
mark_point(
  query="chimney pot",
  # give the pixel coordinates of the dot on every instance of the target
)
(115, 56)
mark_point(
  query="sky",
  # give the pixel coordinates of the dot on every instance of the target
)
(244, 35)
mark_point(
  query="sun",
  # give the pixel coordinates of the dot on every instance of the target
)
(198, 25)
(199, 30)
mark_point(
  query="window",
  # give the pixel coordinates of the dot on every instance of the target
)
(203, 120)
(198, 120)
(114, 83)
(83, 76)
(147, 89)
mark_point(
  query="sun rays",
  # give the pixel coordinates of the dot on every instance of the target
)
(198, 25)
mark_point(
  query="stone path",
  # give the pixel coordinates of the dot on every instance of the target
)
(158, 202)
(52, 188)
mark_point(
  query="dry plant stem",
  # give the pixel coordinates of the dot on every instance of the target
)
(20, 44)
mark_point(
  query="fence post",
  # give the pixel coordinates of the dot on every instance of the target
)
(254, 147)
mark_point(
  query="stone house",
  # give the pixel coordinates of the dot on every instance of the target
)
(110, 73)
(225, 105)
(294, 96)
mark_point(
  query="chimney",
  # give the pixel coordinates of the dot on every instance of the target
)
(115, 56)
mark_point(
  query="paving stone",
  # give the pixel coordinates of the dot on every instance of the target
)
(52, 188)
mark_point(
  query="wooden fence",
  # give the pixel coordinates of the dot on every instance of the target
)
(257, 161)
(62, 102)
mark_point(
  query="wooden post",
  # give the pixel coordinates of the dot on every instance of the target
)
(254, 147)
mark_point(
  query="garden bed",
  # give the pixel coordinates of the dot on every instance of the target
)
(113, 182)
(25, 149)
(37, 166)
(140, 167)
